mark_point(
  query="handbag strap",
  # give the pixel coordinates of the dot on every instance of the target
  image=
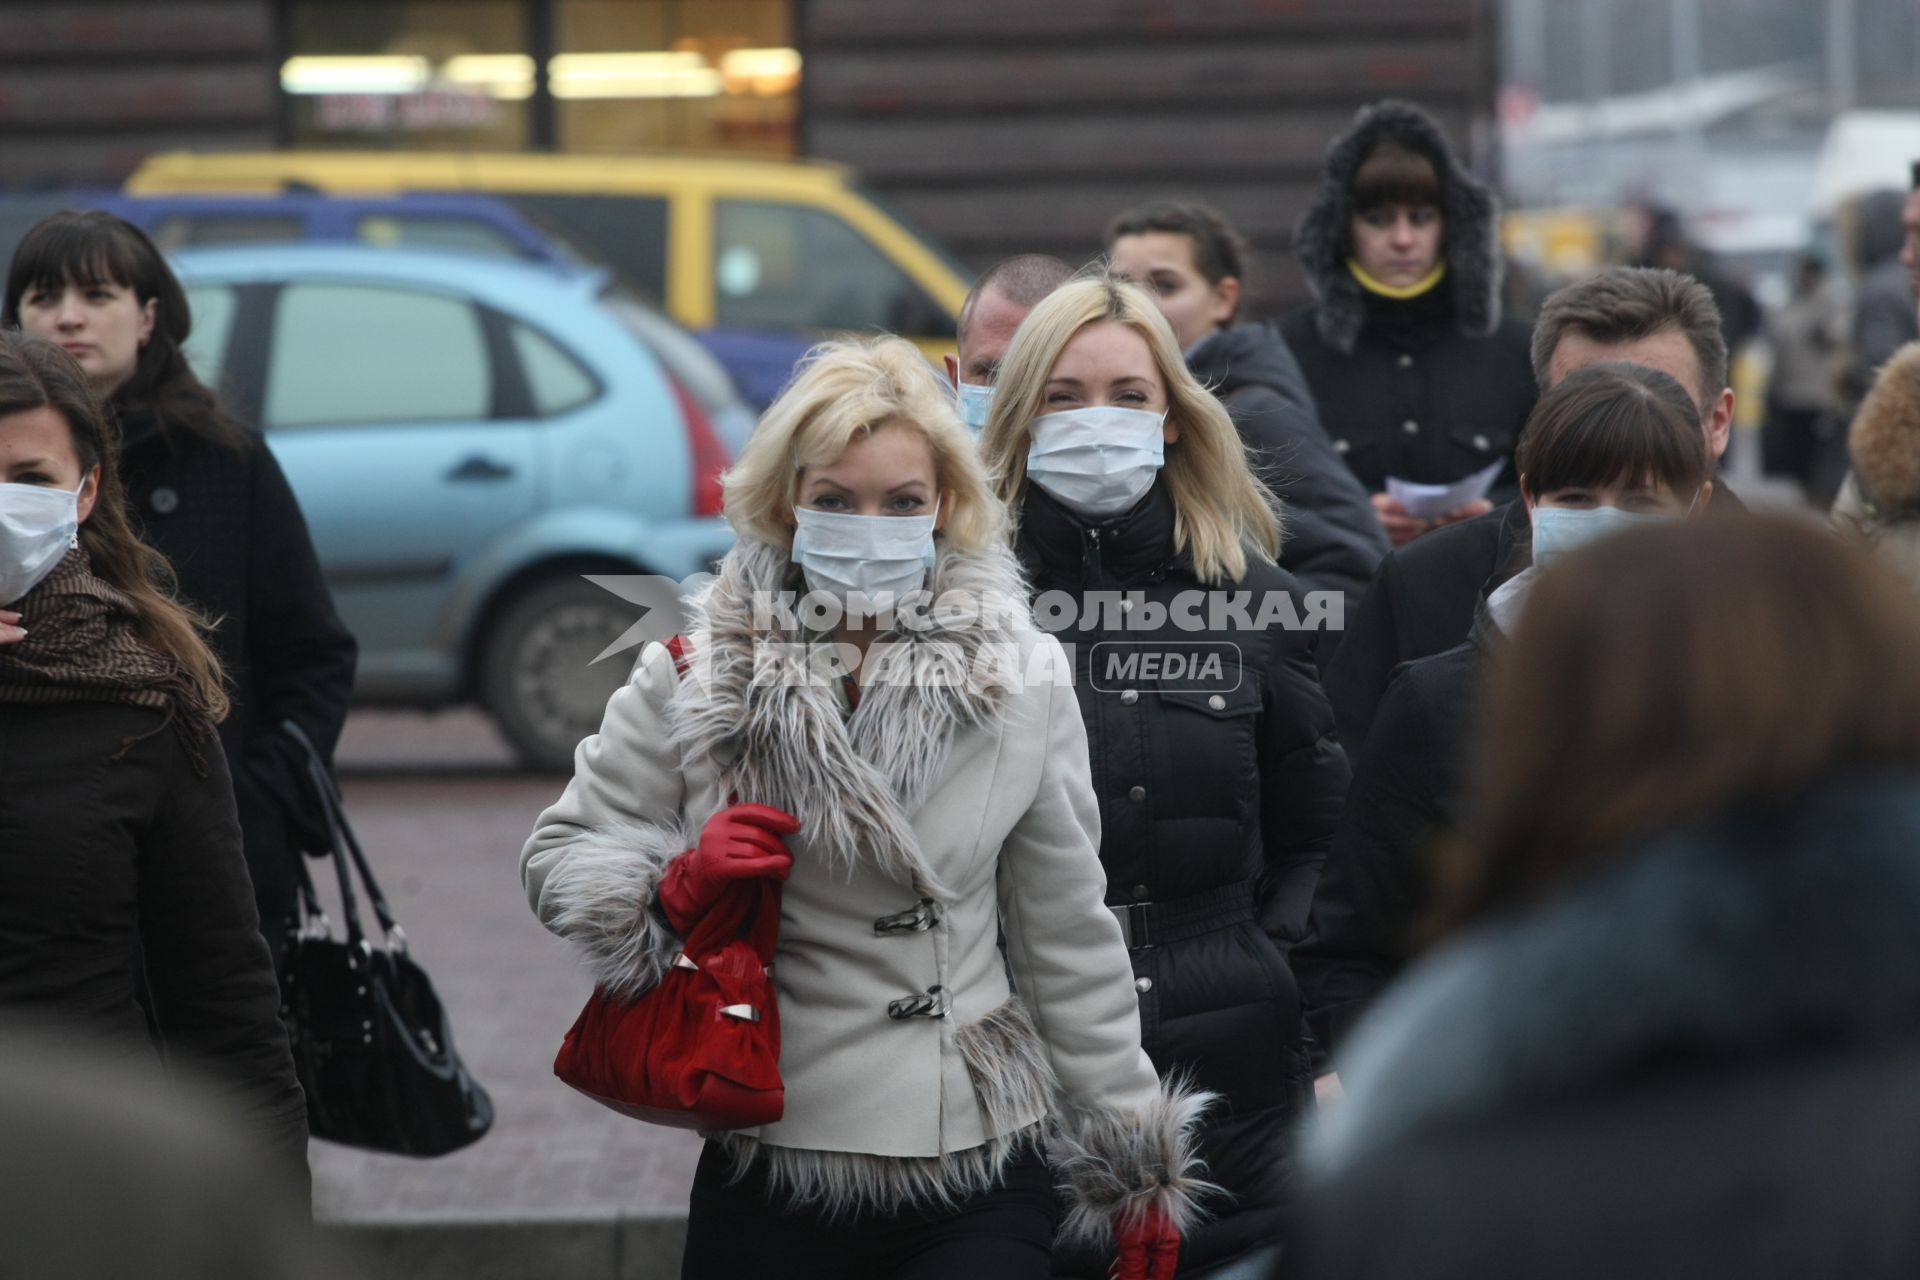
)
(345, 848)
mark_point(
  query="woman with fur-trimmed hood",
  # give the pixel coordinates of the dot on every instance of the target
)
(1416, 374)
(918, 777)
(1880, 502)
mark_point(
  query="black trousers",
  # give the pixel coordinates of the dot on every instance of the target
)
(736, 1231)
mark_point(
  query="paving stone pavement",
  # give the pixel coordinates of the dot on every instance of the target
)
(442, 812)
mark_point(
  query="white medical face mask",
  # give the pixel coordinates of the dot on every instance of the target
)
(38, 526)
(1558, 530)
(1097, 461)
(858, 560)
(974, 402)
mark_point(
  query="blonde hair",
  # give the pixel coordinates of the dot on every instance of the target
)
(1220, 508)
(842, 390)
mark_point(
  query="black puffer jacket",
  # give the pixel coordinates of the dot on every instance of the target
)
(1427, 389)
(1333, 540)
(231, 526)
(1218, 795)
(1697, 1061)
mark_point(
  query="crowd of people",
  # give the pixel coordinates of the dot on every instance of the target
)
(1197, 854)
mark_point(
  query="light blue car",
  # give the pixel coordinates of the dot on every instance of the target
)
(468, 437)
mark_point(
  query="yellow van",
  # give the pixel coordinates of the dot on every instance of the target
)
(754, 245)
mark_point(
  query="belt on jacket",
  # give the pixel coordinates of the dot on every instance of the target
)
(1155, 924)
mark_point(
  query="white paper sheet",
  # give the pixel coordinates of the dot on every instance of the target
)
(1425, 501)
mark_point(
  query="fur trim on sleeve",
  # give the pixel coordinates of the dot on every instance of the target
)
(1114, 1162)
(600, 898)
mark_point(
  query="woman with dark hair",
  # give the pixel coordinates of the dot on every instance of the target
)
(1675, 1024)
(118, 835)
(208, 495)
(1192, 263)
(1611, 445)
(1416, 374)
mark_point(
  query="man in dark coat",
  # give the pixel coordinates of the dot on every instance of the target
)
(1424, 595)
(1417, 377)
(1883, 308)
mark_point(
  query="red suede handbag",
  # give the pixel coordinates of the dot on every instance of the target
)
(702, 1049)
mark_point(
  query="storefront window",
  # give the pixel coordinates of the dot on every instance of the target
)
(676, 75)
(625, 75)
(417, 74)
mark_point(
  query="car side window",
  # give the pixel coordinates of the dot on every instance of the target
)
(785, 266)
(212, 307)
(556, 381)
(350, 354)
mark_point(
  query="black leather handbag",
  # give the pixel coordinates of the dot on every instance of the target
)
(370, 1040)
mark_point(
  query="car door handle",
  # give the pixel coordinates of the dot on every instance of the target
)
(479, 467)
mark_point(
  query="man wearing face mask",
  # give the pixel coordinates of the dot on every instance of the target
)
(1000, 300)
(1611, 446)
(1425, 594)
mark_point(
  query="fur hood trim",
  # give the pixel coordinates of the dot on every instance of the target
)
(1470, 212)
(1885, 440)
(601, 900)
(1114, 1162)
(1779, 926)
(780, 739)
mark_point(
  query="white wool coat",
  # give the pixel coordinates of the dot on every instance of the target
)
(969, 791)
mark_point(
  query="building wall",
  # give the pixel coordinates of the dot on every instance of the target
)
(87, 89)
(1009, 126)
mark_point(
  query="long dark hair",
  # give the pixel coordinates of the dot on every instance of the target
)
(1668, 674)
(37, 374)
(91, 247)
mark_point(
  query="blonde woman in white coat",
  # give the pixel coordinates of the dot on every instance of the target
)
(941, 796)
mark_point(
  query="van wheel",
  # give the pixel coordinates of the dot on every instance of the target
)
(538, 677)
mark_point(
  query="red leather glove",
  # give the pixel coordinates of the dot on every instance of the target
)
(1149, 1246)
(741, 842)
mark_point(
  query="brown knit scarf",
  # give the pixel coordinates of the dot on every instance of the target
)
(82, 646)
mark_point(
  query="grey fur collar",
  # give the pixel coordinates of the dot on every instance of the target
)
(1788, 924)
(1471, 214)
(853, 782)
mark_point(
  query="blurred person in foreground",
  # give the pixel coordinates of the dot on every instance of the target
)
(1192, 263)
(1416, 374)
(208, 495)
(118, 834)
(1424, 596)
(1612, 446)
(1879, 504)
(999, 300)
(1212, 750)
(1673, 1025)
(107, 1173)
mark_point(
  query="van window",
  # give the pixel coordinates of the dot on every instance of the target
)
(177, 230)
(459, 235)
(784, 266)
(627, 233)
(346, 354)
